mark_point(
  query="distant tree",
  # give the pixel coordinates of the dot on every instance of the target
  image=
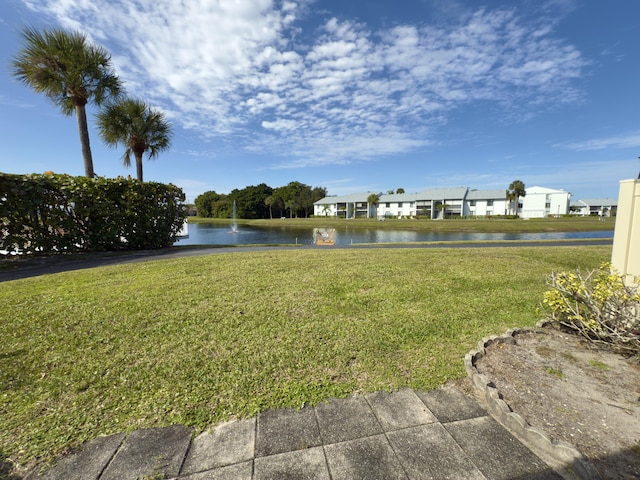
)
(278, 200)
(222, 208)
(287, 197)
(372, 201)
(390, 192)
(292, 206)
(300, 195)
(319, 193)
(308, 196)
(509, 197)
(205, 202)
(513, 194)
(400, 190)
(305, 200)
(442, 207)
(137, 126)
(269, 201)
(326, 208)
(250, 201)
(71, 72)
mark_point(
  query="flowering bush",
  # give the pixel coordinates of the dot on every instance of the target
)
(599, 305)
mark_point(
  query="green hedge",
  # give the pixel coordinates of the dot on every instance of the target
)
(58, 213)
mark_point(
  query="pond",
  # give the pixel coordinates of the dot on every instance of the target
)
(207, 234)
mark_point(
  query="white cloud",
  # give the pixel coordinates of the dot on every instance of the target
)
(631, 140)
(200, 153)
(337, 94)
(15, 102)
(280, 125)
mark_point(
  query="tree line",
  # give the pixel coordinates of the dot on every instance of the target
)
(72, 72)
(293, 200)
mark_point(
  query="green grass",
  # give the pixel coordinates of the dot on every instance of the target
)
(480, 225)
(555, 372)
(599, 365)
(201, 339)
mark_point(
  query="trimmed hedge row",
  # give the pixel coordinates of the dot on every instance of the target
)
(57, 213)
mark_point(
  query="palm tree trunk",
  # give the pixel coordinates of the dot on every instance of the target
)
(138, 156)
(81, 115)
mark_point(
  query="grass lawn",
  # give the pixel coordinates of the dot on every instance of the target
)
(201, 339)
(479, 225)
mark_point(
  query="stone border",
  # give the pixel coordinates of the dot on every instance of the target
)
(561, 452)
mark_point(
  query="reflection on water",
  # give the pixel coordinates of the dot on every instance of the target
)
(206, 234)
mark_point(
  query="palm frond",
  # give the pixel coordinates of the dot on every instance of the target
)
(136, 126)
(66, 68)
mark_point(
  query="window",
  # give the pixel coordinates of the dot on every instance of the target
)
(399, 204)
(472, 203)
(547, 205)
(388, 205)
(489, 203)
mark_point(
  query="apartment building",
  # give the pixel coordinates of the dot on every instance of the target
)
(435, 203)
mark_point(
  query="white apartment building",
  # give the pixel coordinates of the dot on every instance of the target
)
(486, 203)
(437, 203)
(603, 207)
(541, 202)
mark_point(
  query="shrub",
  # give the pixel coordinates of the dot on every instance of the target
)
(58, 213)
(599, 306)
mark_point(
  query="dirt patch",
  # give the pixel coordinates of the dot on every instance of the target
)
(575, 392)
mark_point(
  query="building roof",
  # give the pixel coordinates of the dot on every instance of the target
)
(400, 197)
(429, 194)
(444, 193)
(487, 195)
(596, 202)
(351, 198)
(537, 189)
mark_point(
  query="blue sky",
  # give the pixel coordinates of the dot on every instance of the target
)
(354, 95)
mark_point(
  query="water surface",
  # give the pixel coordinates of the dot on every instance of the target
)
(208, 234)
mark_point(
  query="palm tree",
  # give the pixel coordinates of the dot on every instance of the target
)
(510, 197)
(71, 72)
(516, 190)
(132, 123)
(442, 208)
(372, 200)
(269, 201)
(292, 206)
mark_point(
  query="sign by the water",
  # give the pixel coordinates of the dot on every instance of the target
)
(324, 236)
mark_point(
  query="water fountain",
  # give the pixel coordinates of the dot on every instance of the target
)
(234, 226)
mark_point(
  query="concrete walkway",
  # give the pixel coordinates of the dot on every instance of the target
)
(441, 434)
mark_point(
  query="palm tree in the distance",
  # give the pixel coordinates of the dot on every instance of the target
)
(138, 127)
(514, 193)
(372, 203)
(71, 72)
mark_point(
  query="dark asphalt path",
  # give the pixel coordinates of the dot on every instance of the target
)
(64, 263)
